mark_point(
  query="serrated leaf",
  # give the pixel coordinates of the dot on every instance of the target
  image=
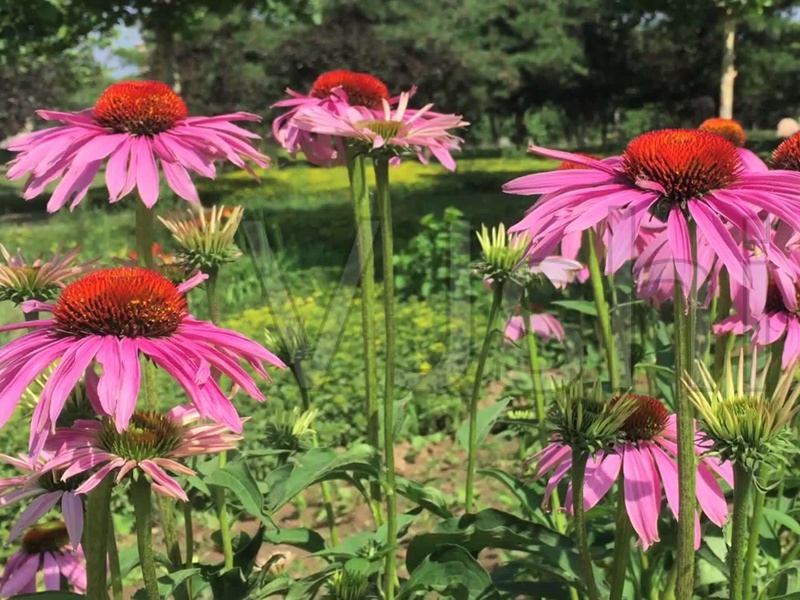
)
(299, 537)
(486, 417)
(316, 465)
(237, 478)
(582, 306)
(168, 583)
(497, 529)
(429, 498)
(451, 572)
(782, 519)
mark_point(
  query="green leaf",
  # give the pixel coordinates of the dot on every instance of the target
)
(167, 584)
(451, 572)
(497, 529)
(316, 465)
(546, 590)
(782, 519)
(237, 478)
(299, 537)
(429, 498)
(582, 306)
(485, 419)
(526, 494)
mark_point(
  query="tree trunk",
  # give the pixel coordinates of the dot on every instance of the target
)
(521, 128)
(163, 59)
(728, 67)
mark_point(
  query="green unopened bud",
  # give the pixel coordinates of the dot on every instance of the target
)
(206, 237)
(40, 279)
(585, 421)
(290, 430)
(351, 582)
(501, 253)
(740, 421)
(289, 343)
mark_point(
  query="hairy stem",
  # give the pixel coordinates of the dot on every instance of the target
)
(603, 314)
(742, 481)
(387, 246)
(723, 310)
(296, 366)
(144, 234)
(685, 325)
(494, 311)
(579, 520)
(95, 539)
(141, 497)
(622, 546)
(113, 562)
(541, 409)
(359, 192)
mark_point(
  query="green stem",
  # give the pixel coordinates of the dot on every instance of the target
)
(143, 510)
(381, 166)
(359, 193)
(302, 384)
(759, 499)
(188, 530)
(723, 311)
(579, 521)
(541, 411)
(223, 519)
(113, 562)
(685, 325)
(95, 539)
(145, 218)
(494, 311)
(220, 493)
(622, 546)
(742, 481)
(603, 314)
(213, 298)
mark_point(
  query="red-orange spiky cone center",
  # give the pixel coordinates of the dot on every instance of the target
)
(728, 128)
(362, 89)
(139, 107)
(648, 420)
(124, 302)
(687, 163)
(787, 155)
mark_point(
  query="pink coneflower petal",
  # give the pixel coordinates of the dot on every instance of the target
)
(22, 578)
(642, 496)
(133, 126)
(35, 511)
(72, 507)
(601, 478)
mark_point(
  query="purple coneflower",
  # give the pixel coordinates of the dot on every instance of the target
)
(136, 125)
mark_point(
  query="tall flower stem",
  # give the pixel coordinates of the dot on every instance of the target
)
(113, 562)
(220, 495)
(723, 310)
(759, 497)
(387, 246)
(685, 326)
(145, 218)
(359, 193)
(141, 496)
(603, 314)
(622, 546)
(296, 366)
(579, 521)
(494, 311)
(541, 410)
(742, 481)
(95, 539)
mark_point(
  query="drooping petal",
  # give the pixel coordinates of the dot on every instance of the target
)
(642, 494)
